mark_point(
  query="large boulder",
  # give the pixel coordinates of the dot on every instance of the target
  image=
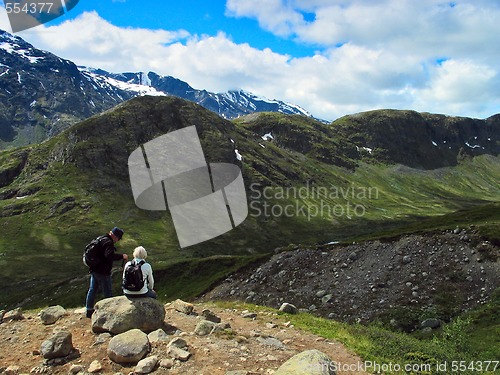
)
(310, 362)
(120, 314)
(128, 347)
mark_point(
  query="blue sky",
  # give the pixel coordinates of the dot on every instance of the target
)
(332, 57)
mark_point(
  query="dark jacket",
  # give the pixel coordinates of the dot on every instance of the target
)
(107, 255)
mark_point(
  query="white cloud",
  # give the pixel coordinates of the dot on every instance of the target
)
(462, 85)
(272, 15)
(91, 40)
(382, 54)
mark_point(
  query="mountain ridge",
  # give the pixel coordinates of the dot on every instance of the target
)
(43, 94)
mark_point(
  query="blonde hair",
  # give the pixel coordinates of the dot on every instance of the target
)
(140, 252)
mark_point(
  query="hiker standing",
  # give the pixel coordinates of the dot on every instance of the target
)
(100, 273)
(140, 279)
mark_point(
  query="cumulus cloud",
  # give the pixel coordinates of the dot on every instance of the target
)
(388, 52)
(428, 55)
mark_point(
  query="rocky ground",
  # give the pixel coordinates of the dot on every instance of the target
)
(254, 345)
(439, 274)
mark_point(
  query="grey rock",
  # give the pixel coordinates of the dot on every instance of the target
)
(120, 314)
(95, 366)
(208, 315)
(102, 338)
(146, 365)
(310, 362)
(321, 293)
(249, 315)
(51, 314)
(407, 259)
(204, 328)
(177, 342)
(57, 346)
(271, 341)
(74, 369)
(178, 353)
(431, 323)
(128, 347)
(288, 308)
(158, 335)
(167, 363)
(327, 298)
(353, 256)
(183, 307)
(16, 314)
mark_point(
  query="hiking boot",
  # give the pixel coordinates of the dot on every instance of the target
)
(89, 313)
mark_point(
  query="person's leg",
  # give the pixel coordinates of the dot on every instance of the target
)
(107, 286)
(89, 301)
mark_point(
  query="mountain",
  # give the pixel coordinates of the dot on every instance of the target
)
(230, 104)
(307, 183)
(42, 94)
(416, 140)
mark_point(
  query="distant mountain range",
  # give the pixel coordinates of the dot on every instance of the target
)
(42, 94)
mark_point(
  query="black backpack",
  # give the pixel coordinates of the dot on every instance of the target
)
(91, 257)
(132, 277)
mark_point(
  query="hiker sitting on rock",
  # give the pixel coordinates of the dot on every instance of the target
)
(138, 278)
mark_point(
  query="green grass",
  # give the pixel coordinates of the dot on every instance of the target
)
(44, 234)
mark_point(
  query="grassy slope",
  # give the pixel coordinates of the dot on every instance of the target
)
(473, 338)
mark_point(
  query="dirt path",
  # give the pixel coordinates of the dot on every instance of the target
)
(243, 348)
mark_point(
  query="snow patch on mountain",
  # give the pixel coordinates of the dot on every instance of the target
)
(107, 83)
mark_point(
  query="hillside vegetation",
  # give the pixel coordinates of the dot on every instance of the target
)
(356, 183)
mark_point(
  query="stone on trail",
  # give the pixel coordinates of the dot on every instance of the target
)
(310, 362)
(51, 314)
(183, 307)
(128, 347)
(58, 346)
(146, 365)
